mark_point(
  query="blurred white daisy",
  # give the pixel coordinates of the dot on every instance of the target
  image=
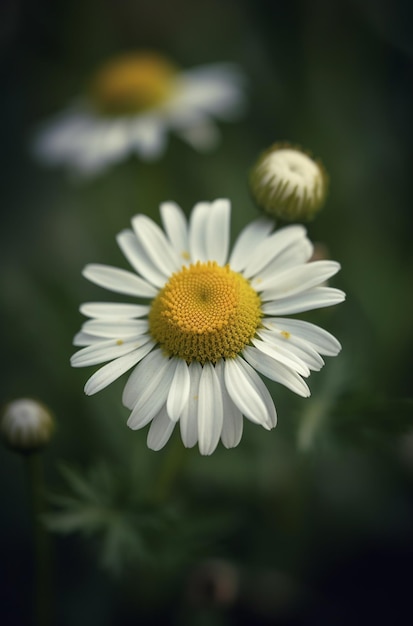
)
(212, 320)
(132, 103)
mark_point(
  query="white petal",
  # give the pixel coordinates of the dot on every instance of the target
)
(105, 351)
(232, 417)
(109, 143)
(315, 298)
(99, 144)
(151, 368)
(197, 232)
(246, 390)
(283, 355)
(179, 390)
(176, 227)
(274, 370)
(188, 422)
(297, 254)
(139, 259)
(210, 410)
(157, 247)
(248, 241)
(200, 133)
(118, 280)
(271, 247)
(83, 339)
(217, 233)
(57, 139)
(160, 430)
(292, 345)
(147, 135)
(113, 310)
(113, 370)
(152, 398)
(321, 340)
(298, 279)
(115, 329)
(116, 139)
(216, 89)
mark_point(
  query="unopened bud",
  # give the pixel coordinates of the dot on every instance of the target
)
(288, 183)
(26, 425)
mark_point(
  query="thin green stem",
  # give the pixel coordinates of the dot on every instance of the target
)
(41, 546)
(174, 460)
(311, 423)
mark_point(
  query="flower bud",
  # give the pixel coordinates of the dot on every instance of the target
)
(26, 425)
(289, 184)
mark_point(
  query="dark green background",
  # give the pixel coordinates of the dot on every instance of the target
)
(328, 509)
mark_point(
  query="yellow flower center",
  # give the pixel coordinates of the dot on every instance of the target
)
(132, 83)
(205, 312)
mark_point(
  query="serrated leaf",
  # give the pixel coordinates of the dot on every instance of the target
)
(81, 487)
(121, 545)
(82, 520)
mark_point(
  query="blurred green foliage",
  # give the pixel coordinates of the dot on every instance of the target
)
(324, 500)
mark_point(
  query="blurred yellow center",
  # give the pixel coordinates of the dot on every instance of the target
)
(205, 312)
(132, 83)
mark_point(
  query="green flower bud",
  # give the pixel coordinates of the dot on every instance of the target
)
(26, 425)
(289, 184)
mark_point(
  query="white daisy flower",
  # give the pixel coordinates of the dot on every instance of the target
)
(131, 104)
(212, 321)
